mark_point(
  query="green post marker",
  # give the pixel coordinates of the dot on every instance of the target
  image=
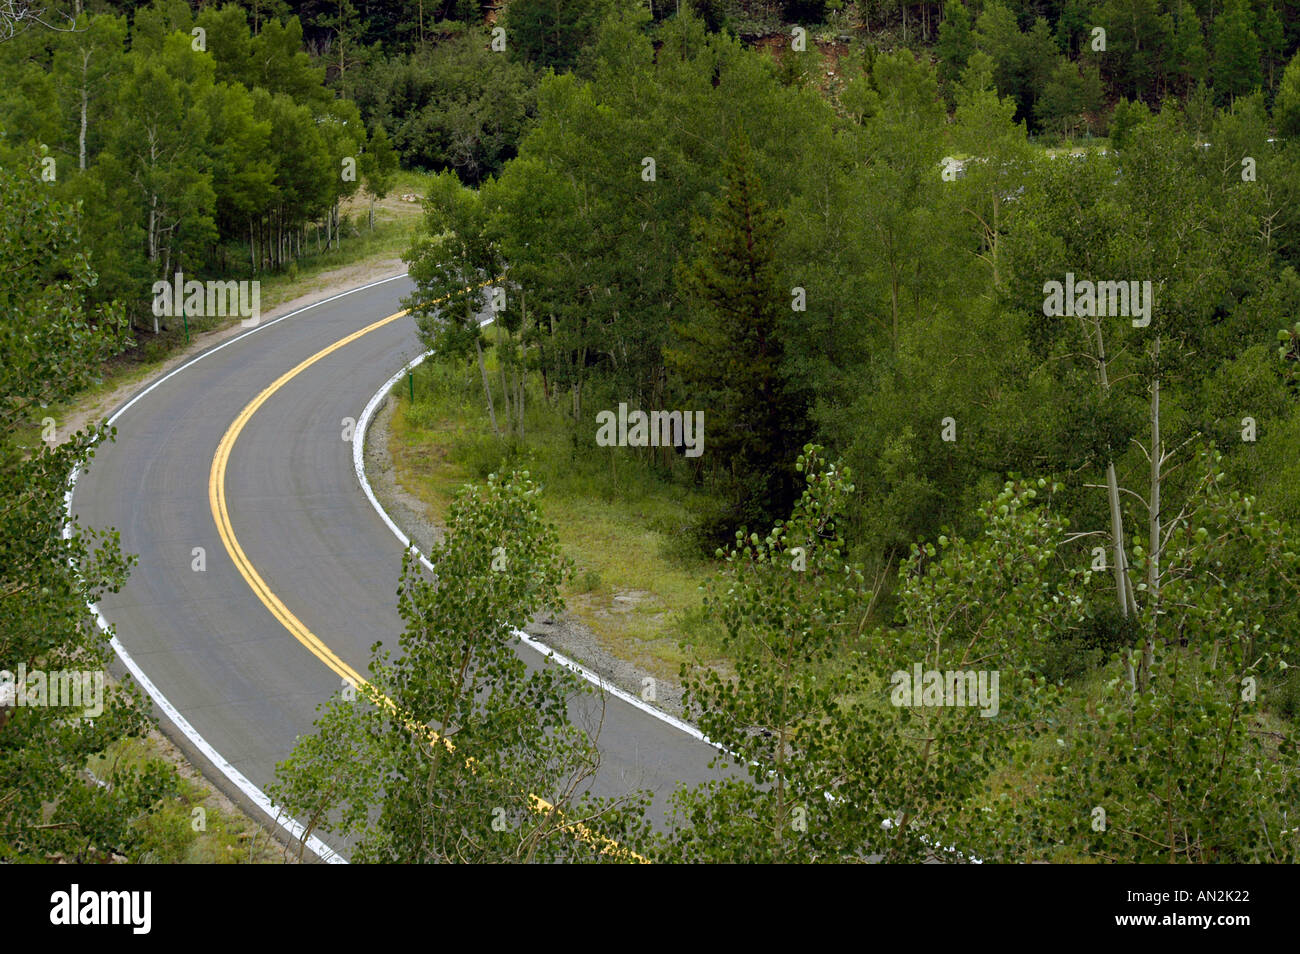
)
(185, 318)
(410, 379)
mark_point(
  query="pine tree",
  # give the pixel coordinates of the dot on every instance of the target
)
(1272, 41)
(729, 350)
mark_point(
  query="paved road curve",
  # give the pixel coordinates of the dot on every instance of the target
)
(244, 683)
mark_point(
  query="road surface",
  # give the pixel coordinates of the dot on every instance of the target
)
(240, 678)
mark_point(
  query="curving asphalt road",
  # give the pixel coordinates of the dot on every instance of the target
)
(242, 686)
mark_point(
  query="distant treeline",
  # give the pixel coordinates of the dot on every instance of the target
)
(194, 144)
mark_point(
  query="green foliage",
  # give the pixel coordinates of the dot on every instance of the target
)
(789, 603)
(51, 345)
(956, 41)
(378, 166)
(1067, 97)
(592, 237)
(828, 760)
(1179, 772)
(728, 354)
(186, 153)
(552, 33)
(992, 603)
(1236, 50)
(454, 105)
(911, 207)
(1184, 767)
(1286, 109)
(451, 269)
(1076, 652)
(1124, 119)
(444, 754)
(1023, 62)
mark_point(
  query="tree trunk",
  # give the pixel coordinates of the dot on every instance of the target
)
(487, 390)
(577, 387)
(85, 95)
(1123, 591)
(1123, 587)
(520, 382)
(522, 373)
(1153, 556)
(546, 383)
(501, 371)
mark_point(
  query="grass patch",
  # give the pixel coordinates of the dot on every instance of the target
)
(190, 827)
(395, 225)
(627, 529)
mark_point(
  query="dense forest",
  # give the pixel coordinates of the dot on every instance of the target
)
(991, 310)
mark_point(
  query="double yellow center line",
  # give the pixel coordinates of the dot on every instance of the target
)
(220, 513)
(300, 632)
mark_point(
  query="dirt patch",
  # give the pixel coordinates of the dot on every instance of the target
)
(829, 73)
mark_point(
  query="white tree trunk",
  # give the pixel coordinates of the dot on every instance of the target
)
(85, 95)
(1153, 501)
(487, 389)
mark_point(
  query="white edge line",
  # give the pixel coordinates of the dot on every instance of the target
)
(236, 777)
(358, 464)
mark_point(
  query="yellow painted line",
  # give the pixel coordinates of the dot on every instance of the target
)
(217, 501)
(286, 618)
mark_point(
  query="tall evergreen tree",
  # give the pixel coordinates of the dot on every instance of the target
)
(1286, 108)
(728, 354)
(552, 32)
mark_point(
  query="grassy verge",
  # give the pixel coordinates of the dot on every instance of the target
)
(1075, 147)
(195, 825)
(637, 577)
(395, 223)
